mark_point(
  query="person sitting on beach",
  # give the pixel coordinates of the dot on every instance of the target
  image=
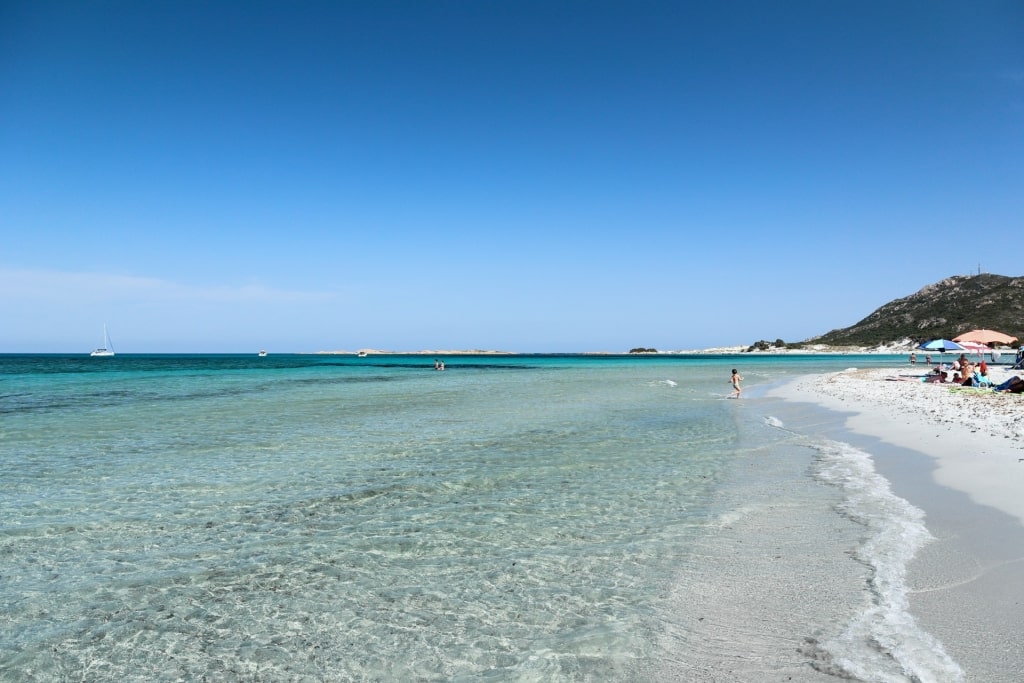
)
(980, 379)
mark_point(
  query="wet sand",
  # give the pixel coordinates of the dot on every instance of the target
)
(959, 456)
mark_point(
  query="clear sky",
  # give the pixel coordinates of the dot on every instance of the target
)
(523, 176)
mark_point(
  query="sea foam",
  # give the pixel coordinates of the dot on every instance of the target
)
(883, 643)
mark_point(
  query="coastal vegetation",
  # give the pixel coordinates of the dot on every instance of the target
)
(763, 345)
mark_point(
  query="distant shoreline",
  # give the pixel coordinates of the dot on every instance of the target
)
(450, 352)
(809, 350)
(817, 349)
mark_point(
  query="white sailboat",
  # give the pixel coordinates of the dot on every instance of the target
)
(107, 349)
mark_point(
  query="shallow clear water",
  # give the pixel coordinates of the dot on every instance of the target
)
(335, 518)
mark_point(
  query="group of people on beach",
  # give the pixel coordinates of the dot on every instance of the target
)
(969, 374)
(964, 372)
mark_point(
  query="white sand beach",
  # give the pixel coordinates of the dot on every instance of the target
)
(975, 436)
(958, 455)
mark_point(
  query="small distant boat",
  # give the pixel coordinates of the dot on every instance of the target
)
(262, 353)
(361, 354)
(107, 349)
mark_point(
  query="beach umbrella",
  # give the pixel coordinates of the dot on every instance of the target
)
(985, 337)
(941, 345)
(975, 347)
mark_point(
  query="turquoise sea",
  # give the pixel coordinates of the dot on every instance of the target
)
(523, 518)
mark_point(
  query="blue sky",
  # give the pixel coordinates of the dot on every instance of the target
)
(522, 176)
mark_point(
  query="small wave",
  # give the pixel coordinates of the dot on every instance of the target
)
(773, 421)
(884, 643)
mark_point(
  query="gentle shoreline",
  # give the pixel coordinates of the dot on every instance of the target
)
(975, 436)
(958, 456)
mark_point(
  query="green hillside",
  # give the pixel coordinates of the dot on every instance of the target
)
(942, 310)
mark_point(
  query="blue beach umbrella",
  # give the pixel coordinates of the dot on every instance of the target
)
(941, 345)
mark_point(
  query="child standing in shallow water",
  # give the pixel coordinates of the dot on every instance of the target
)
(736, 379)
